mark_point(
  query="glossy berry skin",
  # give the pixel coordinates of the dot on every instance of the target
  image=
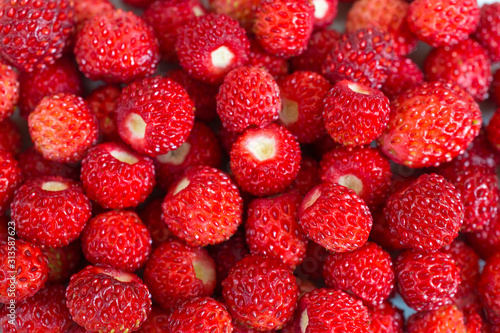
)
(447, 318)
(106, 299)
(102, 102)
(34, 34)
(210, 46)
(488, 33)
(427, 214)
(386, 318)
(355, 114)
(366, 272)
(203, 207)
(200, 314)
(403, 75)
(319, 46)
(63, 261)
(248, 97)
(426, 280)
(30, 267)
(33, 165)
(117, 239)
(9, 90)
(63, 128)
(50, 211)
(10, 179)
(260, 292)
(116, 46)
(154, 115)
(443, 22)
(176, 272)
(489, 288)
(430, 124)
(117, 177)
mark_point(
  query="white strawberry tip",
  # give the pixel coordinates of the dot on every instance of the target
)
(352, 182)
(222, 57)
(197, 11)
(204, 270)
(54, 186)
(310, 198)
(262, 147)
(117, 274)
(358, 88)
(320, 8)
(182, 184)
(124, 157)
(290, 112)
(304, 321)
(136, 126)
(175, 157)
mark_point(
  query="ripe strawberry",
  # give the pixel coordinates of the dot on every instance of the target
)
(443, 22)
(156, 322)
(319, 46)
(116, 46)
(11, 178)
(312, 265)
(63, 128)
(117, 177)
(260, 292)
(362, 169)
(241, 11)
(33, 165)
(444, 319)
(154, 115)
(426, 280)
(486, 242)
(489, 286)
(167, 18)
(9, 90)
(45, 312)
(403, 75)
(335, 217)
(102, 102)
(388, 16)
(117, 239)
(381, 233)
(258, 57)
(325, 12)
(10, 137)
(26, 275)
(200, 314)
(63, 261)
(108, 300)
(303, 94)
(488, 33)
(87, 9)
(466, 64)
(35, 33)
(203, 207)
(50, 211)
(308, 175)
(151, 216)
(210, 46)
(176, 272)
(265, 161)
(364, 56)
(386, 318)
(283, 27)
(355, 114)
(430, 124)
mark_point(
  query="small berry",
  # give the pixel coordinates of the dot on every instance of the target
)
(403, 75)
(488, 31)
(447, 318)
(325, 12)
(87, 9)
(102, 102)
(386, 318)
(9, 90)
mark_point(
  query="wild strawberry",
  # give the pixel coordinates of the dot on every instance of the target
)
(308, 175)
(202, 314)
(430, 124)
(311, 267)
(248, 97)
(325, 12)
(176, 272)
(335, 217)
(87, 9)
(11, 178)
(403, 75)
(489, 286)
(210, 46)
(102, 102)
(63, 261)
(156, 322)
(444, 319)
(426, 280)
(265, 161)
(241, 11)
(443, 22)
(33, 33)
(363, 56)
(117, 177)
(260, 292)
(466, 64)
(9, 90)
(107, 299)
(50, 211)
(355, 114)
(362, 169)
(283, 27)
(167, 18)
(303, 94)
(33, 165)
(26, 275)
(386, 318)
(488, 33)
(116, 46)
(486, 242)
(151, 216)
(258, 57)
(10, 137)
(154, 115)
(203, 207)
(319, 46)
(117, 239)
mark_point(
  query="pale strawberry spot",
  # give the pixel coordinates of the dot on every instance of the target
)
(53, 186)
(175, 157)
(290, 112)
(124, 156)
(222, 57)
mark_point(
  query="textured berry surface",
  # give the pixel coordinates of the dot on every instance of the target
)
(488, 31)
(447, 318)
(403, 75)
(102, 102)
(489, 288)
(386, 318)
(156, 322)
(10, 179)
(258, 57)
(86, 9)
(9, 90)
(319, 46)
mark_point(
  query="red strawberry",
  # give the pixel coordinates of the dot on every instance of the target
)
(303, 94)
(203, 207)
(210, 46)
(260, 293)
(154, 115)
(151, 216)
(9, 90)
(50, 211)
(116, 46)
(156, 322)
(25, 276)
(241, 11)
(102, 102)
(35, 33)
(403, 75)
(325, 12)
(258, 57)
(11, 178)
(486, 242)
(426, 280)
(319, 46)
(10, 137)
(63, 261)
(430, 124)
(33, 165)
(176, 272)
(63, 128)
(444, 319)
(200, 314)
(107, 299)
(386, 318)
(335, 217)
(283, 27)
(117, 239)
(488, 33)
(489, 288)
(312, 265)
(87, 9)
(117, 177)
(265, 161)
(248, 97)
(466, 64)
(443, 22)
(362, 169)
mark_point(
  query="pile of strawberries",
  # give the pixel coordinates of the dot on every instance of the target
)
(280, 176)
